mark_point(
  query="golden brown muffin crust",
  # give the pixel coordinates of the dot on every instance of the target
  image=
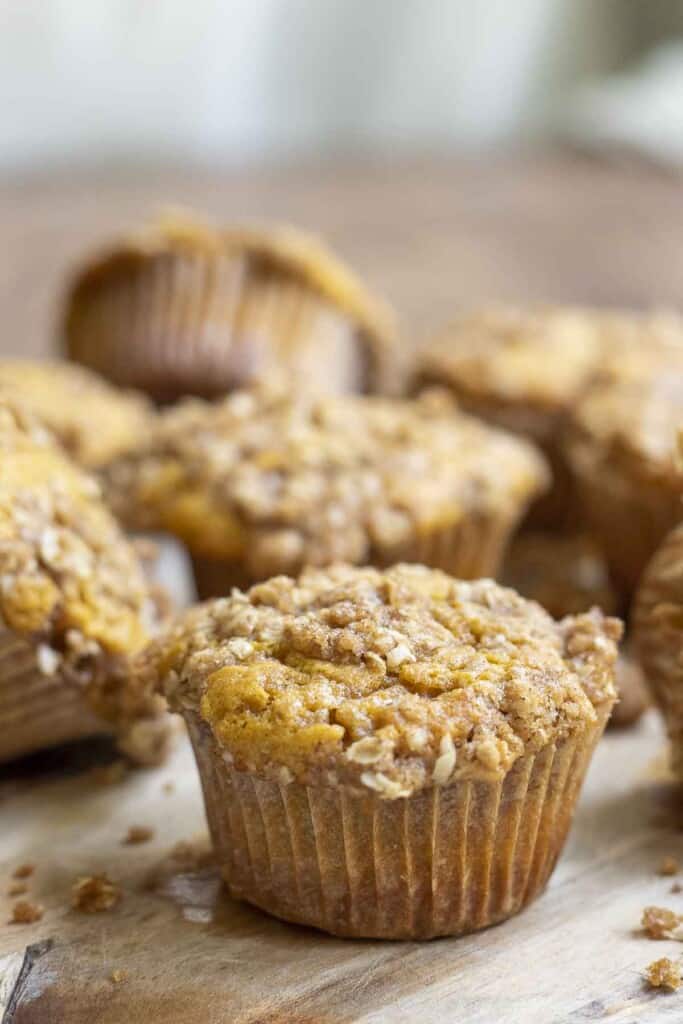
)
(94, 421)
(391, 681)
(283, 481)
(69, 581)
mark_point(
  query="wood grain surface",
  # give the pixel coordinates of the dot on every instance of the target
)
(432, 237)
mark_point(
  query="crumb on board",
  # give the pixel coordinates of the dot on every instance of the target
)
(662, 923)
(24, 871)
(168, 787)
(192, 855)
(668, 866)
(676, 887)
(664, 973)
(117, 976)
(93, 894)
(17, 889)
(137, 834)
(110, 774)
(26, 912)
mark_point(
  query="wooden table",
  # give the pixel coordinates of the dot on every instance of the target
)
(432, 237)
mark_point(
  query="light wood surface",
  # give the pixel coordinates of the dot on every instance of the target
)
(432, 237)
(192, 955)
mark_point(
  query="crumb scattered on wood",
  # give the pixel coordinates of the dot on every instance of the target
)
(117, 976)
(17, 889)
(138, 834)
(26, 912)
(24, 871)
(676, 887)
(110, 774)
(664, 973)
(669, 866)
(168, 787)
(94, 894)
(661, 923)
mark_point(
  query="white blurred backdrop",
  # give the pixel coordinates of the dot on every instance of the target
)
(90, 81)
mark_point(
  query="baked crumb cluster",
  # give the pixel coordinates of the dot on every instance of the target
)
(389, 681)
(283, 481)
(93, 421)
(69, 581)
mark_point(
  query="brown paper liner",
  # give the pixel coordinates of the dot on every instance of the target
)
(204, 321)
(444, 861)
(37, 710)
(469, 549)
(629, 518)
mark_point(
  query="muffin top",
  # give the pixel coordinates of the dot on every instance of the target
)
(69, 580)
(537, 357)
(542, 361)
(630, 425)
(389, 681)
(282, 480)
(91, 419)
(279, 250)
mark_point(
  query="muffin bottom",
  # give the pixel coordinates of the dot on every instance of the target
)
(469, 549)
(37, 710)
(444, 861)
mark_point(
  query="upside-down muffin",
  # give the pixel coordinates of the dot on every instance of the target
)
(266, 482)
(74, 605)
(387, 754)
(181, 308)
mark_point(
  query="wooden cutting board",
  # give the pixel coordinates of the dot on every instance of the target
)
(190, 954)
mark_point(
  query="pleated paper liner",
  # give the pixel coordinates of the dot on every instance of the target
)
(445, 861)
(469, 549)
(188, 311)
(37, 710)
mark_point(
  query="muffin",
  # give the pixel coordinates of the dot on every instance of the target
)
(567, 575)
(527, 369)
(387, 754)
(658, 630)
(93, 421)
(266, 483)
(182, 309)
(74, 605)
(621, 446)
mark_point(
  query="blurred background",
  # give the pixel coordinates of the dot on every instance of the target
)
(143, 80)
(455, 152)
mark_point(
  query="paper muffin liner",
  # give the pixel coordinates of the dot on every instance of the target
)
(37, 710)
(629, 518)
(444, 861)
(469, 549)
(204, 320)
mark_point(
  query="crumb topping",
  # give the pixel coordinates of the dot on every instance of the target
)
(137, 834)
(26, 912)
(282, 481)
(662, 923)
(390, 680)
(24, 871)
(91, 419)
(663, 973)
(94, 894)
(69, 580)
(668, 866)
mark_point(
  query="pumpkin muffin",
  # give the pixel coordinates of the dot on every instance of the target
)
(526, 370)
(266, 483)
(93, 421)
(658, 629)
(74, 605)
(567, 575)
(388, 754)
(180, 308)
(622, 447)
